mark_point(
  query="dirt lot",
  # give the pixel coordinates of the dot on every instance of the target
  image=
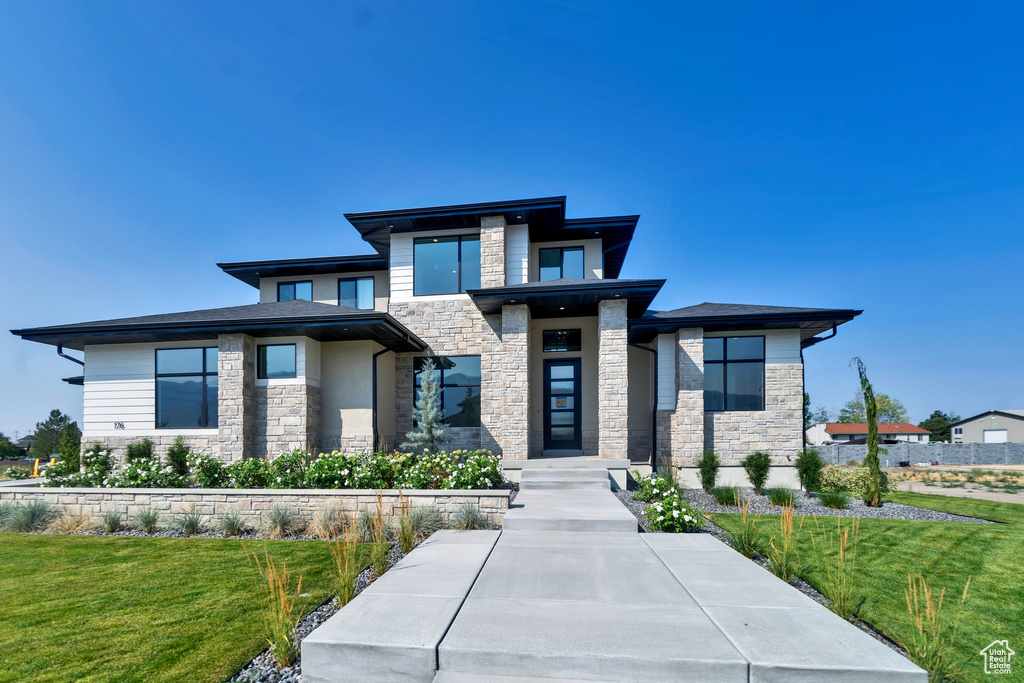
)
(1002, 483)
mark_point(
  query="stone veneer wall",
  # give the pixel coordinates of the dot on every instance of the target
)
(450, 327)
(505, 378)
(681, 431)
(286, 417)
(250, 503)
(236, 382)
(612, 380)
(492, 251)
(777, 429)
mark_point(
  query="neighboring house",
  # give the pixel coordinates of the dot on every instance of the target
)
(25, 443)
(543, 350)
(994, 426)
(846, 432)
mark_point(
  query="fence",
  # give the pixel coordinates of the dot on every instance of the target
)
(941, 453)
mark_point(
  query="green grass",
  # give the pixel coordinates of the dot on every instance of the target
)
(946, 553)
(92, 608)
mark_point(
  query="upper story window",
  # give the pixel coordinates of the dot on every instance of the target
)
(186, 388)
(290, 291)
(446, 265)
(356, 292)
(733, 373)
(275, 361)
(562, 340)
(561, 262)
(459, 377)
(958, 431)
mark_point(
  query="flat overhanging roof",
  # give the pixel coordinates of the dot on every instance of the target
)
(250, 272)
(565, 298)
(322, 322)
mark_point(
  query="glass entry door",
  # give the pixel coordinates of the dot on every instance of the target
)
(562, 405)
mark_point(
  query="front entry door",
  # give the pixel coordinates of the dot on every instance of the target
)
(562, 405)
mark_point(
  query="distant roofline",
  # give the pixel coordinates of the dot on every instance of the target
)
(883, 427)
(1007, 412)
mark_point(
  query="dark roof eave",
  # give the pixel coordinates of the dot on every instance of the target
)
(457, 209)
(534, 290)
(250, 272)
(704, 321)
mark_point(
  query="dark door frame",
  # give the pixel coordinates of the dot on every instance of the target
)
(577, 441)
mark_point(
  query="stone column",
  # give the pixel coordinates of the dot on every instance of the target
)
(492, 251)
(687, 423)
(505, 401)
(612, 380)
(236, 383)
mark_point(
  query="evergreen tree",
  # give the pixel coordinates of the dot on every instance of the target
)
(872, 494)
(430, 428)
(8, 451)
(49, 433)
(938, 423)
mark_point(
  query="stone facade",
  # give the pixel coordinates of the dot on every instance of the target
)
(505, 368)
(287, 416)
(236, 382)
(251, 504)
(778, 429)
(492, 251)
(612, 380)
(681, 431)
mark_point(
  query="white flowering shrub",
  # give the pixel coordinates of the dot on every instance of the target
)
(333, 470)
(98, 463)
(288, 470)
(668, 511)
(146, 473)
(474, 470)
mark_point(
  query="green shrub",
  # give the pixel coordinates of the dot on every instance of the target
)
(758, 466)
(365, 521)
(468, 517)
(279, 521)
(147, 521)
(650, 489)
(177, 457)
(191, 522)
(208, 472)
(779, 496)
(142, 450)
(329, 522)
(707, 469)
(6, 512)
(428, 470)
(748, 539)
(474, 470)
(288, 471)
(111, 521)
(855, 481)
(231, 523)
(672, 514)
(248, 474)
(377, 470)
(332, 470)
(32, 516)
(726, 495)
(18, 472)
(808, 468)
(837, 500)
(425, 520)
(98, 463)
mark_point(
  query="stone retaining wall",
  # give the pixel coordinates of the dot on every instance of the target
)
(943, 453)
(252, 503)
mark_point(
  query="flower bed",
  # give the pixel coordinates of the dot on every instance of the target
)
(466, 470)
(668, 510)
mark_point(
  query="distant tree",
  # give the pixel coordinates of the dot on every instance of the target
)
(938, 424)
(49, 433)
(873, 491)
(8, 451)
(822, 416)
(808, 414)
(888, 409)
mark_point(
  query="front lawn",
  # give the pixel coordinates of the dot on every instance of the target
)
(120, 608)
(946, 553)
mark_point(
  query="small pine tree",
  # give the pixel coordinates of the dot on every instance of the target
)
(177, 456)
(872, 494)
(430, 428)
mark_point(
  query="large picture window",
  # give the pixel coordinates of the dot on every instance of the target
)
(733, 373)
(356, 292)
(275, 361)
(186, 388)
(459, 377)
(564, 262)
(446, 265)
(290, 291)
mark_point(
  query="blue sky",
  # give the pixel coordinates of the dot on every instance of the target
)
(864, 156)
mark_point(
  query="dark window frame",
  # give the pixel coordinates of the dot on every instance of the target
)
(373, 291)
(725, 363)
(561, 261)
(204, 374)
(578, 336)
(295, 282)
(459, 239)
(439, 361)
(295, 350)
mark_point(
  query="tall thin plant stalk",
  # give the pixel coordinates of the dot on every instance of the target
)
(280, 614)
(406, 533)
(782, 554)
(747, 540)
(343, 553)
(929, 645)
(381, 545)
(839, 584)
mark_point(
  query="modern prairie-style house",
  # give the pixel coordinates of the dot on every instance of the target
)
(823, 433)
(543, 350)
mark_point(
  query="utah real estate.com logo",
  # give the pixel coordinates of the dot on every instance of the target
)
(997, 657)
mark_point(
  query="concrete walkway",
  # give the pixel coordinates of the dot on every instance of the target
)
(568, 592)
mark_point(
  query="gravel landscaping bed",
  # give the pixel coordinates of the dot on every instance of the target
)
(263, 669)
(803, 505)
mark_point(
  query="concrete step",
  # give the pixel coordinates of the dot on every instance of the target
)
(568, 510)
(546, 479)
(455, 677)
